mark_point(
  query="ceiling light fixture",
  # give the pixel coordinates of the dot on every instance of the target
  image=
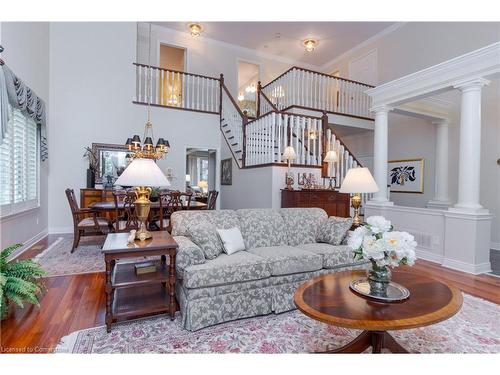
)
(310, 44)
(241, 97)
(195, 29)
(251, 88)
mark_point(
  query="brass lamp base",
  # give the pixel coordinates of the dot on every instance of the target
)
(142, 206)
(356, 204)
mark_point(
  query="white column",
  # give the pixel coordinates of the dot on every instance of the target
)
(441, 198)
(380, 152)
(469, 164)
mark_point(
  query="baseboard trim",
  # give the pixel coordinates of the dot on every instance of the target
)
(474, 269)
(495, 245)
(429, 256)
(27, 244)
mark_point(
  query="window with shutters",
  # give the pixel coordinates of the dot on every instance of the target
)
(19, 164)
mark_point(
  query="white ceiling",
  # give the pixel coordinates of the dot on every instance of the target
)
(284, 39)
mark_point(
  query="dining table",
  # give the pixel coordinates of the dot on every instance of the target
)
(110, 206)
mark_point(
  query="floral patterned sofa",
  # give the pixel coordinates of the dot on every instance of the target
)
(281, 253)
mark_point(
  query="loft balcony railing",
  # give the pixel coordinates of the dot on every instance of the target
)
(262, 140)
(175, 89)
(307, 89)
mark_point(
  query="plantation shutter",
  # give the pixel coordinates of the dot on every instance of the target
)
(19, 164)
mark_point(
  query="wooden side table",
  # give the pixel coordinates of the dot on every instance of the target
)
(130, 295)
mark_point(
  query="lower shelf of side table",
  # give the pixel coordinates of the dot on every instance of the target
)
(140, 301)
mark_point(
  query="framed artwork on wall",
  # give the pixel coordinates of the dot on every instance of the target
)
(226, 175)
(406, 176)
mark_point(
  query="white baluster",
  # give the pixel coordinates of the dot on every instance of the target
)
(136, 98)
(279, 139)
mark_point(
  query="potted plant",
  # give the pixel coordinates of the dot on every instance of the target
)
(93, 165)
(376, 241)
(19, 281)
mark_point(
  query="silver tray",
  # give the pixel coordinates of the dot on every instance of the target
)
(395, 292)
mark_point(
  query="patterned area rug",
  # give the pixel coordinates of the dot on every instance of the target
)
(474, 329)
(58, 260)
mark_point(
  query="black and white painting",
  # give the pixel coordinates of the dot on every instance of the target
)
(406, 176)
(226, 175)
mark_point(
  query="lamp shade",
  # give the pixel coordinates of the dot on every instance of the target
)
(358, 180)
(188, 178)
(289, 153)
(331, 157)
(142, 172)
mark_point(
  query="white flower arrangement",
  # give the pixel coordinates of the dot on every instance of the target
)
(376, 241)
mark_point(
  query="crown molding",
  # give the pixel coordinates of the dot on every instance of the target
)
(235, 47)
(330, 64)
(483, 62)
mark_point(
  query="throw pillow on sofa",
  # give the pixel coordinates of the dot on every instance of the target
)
(204, 234)
(334, 230)
(232, 240)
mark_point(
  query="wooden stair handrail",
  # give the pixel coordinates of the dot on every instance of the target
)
(315, 72)
(176, 71)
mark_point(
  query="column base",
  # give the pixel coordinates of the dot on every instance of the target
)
(438, 204)
(467, 241)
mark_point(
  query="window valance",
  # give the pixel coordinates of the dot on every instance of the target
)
(19, 95)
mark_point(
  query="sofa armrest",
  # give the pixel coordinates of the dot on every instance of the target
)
(188, 254)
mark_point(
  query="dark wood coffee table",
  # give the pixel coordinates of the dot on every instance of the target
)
(328, 299)
(129, 295)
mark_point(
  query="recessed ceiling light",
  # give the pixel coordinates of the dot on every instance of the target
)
(310, 44)
(195, 29)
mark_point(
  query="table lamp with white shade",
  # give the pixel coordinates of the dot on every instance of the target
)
(288, 156)
(330, 158)
(357, 181)
(142, 174)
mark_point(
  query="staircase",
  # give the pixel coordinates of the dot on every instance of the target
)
(280, 121)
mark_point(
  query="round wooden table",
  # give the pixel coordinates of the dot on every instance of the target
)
(328, 299)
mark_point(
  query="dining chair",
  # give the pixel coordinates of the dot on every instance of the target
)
(212, 199)
(169, 202)
(125, 215)
(84, 225)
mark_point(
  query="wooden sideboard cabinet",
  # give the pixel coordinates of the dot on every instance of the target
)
(89, 196)
(333, 202)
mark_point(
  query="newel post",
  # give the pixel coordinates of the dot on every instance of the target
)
(259, 88)
(221, 84)
(244, 123)
(324, 143)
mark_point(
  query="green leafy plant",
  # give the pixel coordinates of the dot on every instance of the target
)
(19, 281)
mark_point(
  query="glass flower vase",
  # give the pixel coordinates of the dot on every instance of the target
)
(379, 278)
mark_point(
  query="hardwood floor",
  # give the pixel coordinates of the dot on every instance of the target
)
(76, 302)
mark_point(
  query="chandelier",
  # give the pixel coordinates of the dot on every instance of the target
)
(148, 150)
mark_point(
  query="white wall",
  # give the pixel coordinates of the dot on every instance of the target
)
(27, 55)
(208, 57)
(417, 45)
(91, 91)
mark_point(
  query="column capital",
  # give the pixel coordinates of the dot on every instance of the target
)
(472, 83)
(381, 108)
(442, 122)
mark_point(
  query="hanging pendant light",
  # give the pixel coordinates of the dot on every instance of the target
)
(148, 150)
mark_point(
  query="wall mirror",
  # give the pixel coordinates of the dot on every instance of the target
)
(111, 161)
